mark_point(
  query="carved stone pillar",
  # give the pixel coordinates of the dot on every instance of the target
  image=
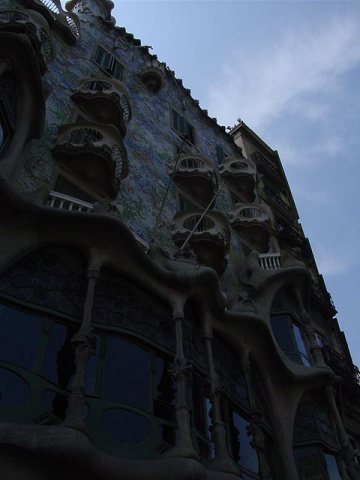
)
(222, 459)
(182, 372)
(345, 445)
(255, 420)
(84, 343)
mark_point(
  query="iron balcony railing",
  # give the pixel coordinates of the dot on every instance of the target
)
(342, 367)
(321, 295)
(66, 202)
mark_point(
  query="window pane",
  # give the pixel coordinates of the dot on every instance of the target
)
(198, 404)
(281, 326)
(164, 401)
(301, 347)
(126, 376)
(13, 389)
(125, 426)
(310, 464)
(243, 451)
(332, 467)
(20, 335)
(59, 364)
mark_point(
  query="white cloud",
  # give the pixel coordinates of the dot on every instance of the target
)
(330, 264)
(259, 86)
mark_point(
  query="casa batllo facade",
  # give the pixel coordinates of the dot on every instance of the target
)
(161, 313)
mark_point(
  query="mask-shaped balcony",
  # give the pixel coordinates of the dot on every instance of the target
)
(106, 101)
(35, 27)
(153, 75)
(253, 222)
(195, 175)
(94, 153)
(240, 175)
(67, 23)
(210, 240)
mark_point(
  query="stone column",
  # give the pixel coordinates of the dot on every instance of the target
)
(345, 445)
(222, 459)
(84, 343)
(182, 372)
(315, 348)
(255, 420)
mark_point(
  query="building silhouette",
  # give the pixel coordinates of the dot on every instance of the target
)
(162, 316)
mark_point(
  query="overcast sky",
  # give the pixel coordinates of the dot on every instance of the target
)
(291, 71)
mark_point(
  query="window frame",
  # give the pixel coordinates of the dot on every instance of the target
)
(296, 353)
(112, 64)
(190, 135)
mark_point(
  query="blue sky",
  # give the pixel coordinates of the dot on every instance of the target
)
(291, 71)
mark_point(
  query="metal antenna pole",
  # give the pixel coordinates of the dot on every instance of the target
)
(178, 155)
(201, 217)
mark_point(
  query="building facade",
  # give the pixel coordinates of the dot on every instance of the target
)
(161, 312)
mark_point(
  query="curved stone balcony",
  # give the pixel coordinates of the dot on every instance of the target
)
(153, 75)
(210, 239)
(95, 153)
(106, 101)
(240, 175)
(35, 27)
(253, 223)
(67, 23)
(196, 176)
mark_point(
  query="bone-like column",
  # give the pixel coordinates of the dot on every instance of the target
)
(222, 460)
(182, 373)
(84, 344)
(255, 420)
(345, 445)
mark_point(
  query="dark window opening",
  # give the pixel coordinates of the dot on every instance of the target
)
(220, 154)
(164, 398)
(108, 63)
(5, 127)
(63, 185)
(183, 127)
(185, 204)
(59, 362)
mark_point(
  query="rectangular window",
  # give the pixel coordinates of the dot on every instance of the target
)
(220, 154)
(108, 62)
(182, 126)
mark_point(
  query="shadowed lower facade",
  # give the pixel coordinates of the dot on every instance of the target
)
(161, 312)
